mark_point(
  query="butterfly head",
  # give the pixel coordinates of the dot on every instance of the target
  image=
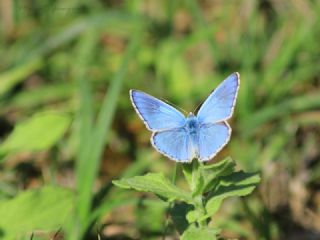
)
(191, 115)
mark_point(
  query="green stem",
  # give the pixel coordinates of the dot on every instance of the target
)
(195, 175)
(200, 207)
(175, 173)
(203, 223)
(199, 200)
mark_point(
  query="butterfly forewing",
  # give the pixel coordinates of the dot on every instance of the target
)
(219, 105)
(156, 114)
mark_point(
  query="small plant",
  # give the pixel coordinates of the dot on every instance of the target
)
(193, 139)
(209, 185)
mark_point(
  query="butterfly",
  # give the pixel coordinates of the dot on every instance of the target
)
(201, 135)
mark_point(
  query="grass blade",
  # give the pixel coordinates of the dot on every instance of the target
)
(92, 155)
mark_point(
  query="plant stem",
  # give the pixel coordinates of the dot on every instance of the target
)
(175, 173)
(203, 223)
(199, 200)
(200, 206)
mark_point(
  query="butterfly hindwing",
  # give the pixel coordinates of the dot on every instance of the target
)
(156, 114)
(174, 144)
(212, 138)
(219, 105)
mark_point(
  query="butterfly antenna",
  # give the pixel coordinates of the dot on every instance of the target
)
(196, 109)
(173, 105)
(56, 235)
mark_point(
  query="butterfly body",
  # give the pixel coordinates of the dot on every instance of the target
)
(200, 135)
(192, 128)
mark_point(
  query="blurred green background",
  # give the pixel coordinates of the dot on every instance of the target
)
(67, 127)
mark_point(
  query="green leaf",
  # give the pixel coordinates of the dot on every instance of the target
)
(16, 75)
(155, 183)
(198, 214)
(193, 174)
(203, 178)
(213, 171)
(178, 214)
(194, 233)
(235, 184)
(221, 168)
(48, 208)
(187, 170)
(40, 132)
(194, 215)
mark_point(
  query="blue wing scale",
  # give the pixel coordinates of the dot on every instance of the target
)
(156, 114)
(219, 105)
(174, 144)
(212, 138)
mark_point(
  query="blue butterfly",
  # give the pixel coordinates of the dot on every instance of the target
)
(201, 135)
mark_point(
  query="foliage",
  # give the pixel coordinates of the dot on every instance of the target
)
(209, 186)
(33, 134)
(45, 209)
